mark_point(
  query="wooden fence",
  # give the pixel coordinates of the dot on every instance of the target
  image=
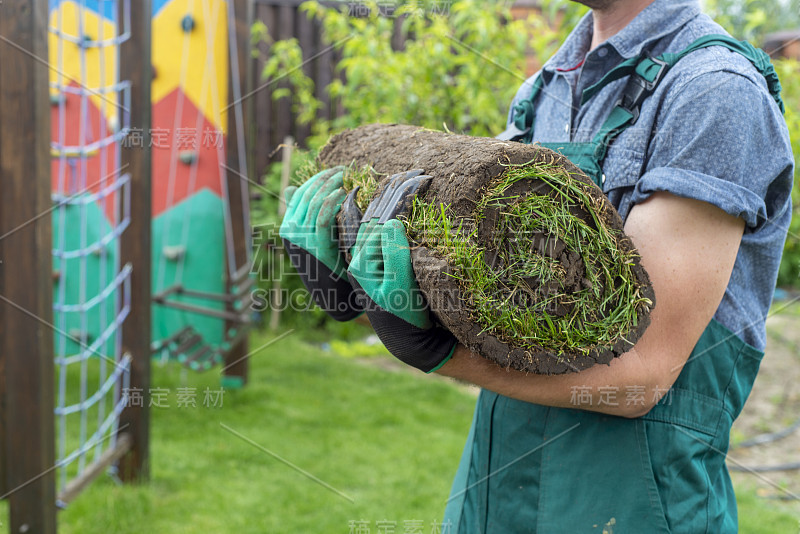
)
(274, 120)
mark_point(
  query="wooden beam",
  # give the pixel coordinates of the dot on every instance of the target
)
(305, 38)
(26, 271)
(275, 299)
(325, 71)
(282, 107)
(265, 141)
(235, 369)
(75, 486)
(135, 243)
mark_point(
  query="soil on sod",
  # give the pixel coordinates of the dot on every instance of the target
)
(518, 253)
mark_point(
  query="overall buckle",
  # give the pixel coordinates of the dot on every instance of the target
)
(638, 88)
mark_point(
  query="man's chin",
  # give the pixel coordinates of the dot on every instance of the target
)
(597, 4)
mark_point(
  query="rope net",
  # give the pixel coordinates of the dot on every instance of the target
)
(91, 210)
(201, 287)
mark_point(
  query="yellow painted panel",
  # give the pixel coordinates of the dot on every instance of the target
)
(98, 68)
(196, 61)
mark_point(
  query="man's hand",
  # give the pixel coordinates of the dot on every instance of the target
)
(311, 240)
(382, 275)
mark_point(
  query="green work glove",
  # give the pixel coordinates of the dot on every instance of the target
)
(310, 219)
(382, 266)
(383, 279)
(310, 237)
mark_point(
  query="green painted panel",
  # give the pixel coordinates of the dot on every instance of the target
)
(85, 224)
(188, 248)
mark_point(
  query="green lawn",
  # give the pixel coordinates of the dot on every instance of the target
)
(390, 441)
(387, 442)
(762, 515)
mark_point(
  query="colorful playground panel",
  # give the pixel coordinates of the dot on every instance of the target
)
(188, 135)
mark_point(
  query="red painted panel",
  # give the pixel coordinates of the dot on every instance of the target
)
(77, 174)
(174, 180)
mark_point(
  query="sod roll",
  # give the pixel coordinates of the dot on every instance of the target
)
(517, 252)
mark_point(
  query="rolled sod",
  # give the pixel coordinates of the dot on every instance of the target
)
(515, 249)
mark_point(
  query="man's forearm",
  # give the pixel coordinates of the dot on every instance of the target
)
(624, 388)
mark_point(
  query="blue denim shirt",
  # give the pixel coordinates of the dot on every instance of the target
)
(710, 131)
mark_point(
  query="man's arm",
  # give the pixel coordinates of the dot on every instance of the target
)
(688, 248)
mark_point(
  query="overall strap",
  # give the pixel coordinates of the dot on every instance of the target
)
(646, 72)
(756, 56)
(652, 69)
(521, 127)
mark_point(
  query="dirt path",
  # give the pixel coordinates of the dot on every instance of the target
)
(773, 405)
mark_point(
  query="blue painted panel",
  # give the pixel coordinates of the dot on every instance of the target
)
(107, 7)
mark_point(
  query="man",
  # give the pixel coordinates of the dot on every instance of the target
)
(700, 171)
(702, 181)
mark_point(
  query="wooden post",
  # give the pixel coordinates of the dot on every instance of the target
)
(26, 277)
(262, 100)
(235, 369)
(305, 38)
(282, 108)
(286, 171)
(135, 65)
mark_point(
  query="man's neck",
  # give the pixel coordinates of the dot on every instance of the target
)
(608, 21)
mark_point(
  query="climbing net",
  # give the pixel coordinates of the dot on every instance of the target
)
(91, 210)
(202, 280)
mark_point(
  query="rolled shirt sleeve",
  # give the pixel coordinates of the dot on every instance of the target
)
(721, 140)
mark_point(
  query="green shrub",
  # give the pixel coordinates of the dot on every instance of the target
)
(461, 65)
(753, 19)
(789, 73)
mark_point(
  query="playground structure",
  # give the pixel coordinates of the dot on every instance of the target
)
(123, 229)
(201, 271)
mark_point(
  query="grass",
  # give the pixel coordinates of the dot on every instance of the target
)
(519, 293)
(763, 515)
(390, 440)
(354, 176)
(365, 179)
(308, 168)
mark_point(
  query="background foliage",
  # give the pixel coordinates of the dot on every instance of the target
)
(789, 73)
(754, 19)
(462, 63)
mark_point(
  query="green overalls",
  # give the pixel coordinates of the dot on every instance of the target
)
(533, 468)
